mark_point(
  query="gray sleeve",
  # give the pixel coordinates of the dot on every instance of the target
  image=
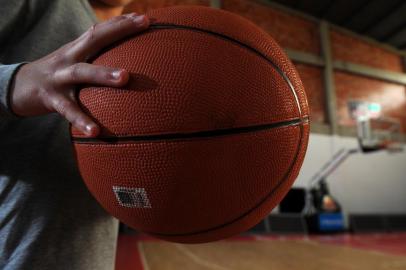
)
(7, 73)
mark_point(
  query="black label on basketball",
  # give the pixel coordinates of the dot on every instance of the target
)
(132, 197)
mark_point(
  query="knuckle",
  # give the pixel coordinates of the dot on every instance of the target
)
(57, 58)
(89, 35)
(60, 105)
(105, 74)
(118, 21)
(64, 56)
(100, 74)
(122, 23)
(74, 72)
(119, 18)
(75, 119)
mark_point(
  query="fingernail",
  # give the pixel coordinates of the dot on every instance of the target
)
(131, 15)
(89, 129)
(116, 74)
(140, 20)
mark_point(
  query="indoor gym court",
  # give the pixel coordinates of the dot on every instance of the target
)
(366, 251)
(348, 54)
(245, 135)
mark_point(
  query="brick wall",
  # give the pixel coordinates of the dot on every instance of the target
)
(349, 48)
(289, 31)
(390, 95)
(297, 33)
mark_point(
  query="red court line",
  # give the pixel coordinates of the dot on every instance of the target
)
(128, 256)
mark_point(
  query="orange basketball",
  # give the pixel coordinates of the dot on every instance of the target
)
(207, 137)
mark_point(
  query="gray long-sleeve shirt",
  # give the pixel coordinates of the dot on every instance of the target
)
(48, 219)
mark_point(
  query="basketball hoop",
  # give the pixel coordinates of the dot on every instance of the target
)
(374, 131)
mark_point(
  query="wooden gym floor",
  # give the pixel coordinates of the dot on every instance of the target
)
(339, 252)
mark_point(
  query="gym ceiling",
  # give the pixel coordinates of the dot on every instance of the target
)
(382, 20)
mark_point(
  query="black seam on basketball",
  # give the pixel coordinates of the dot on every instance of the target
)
(191, 135)
(301, 121)
(164, 26)
(283, 179)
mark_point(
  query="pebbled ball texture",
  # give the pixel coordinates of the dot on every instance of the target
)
(207, 137)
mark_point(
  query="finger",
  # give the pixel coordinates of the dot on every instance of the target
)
(103, 34)
(91, 74)
(72, 112)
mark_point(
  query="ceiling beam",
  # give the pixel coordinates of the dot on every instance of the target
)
(389, 76)
(385, 27)
(384, 16)
(364, 4)
(396, 30)
(313, 19)
(305, 58)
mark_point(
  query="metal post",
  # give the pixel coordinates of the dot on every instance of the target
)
(329, 86)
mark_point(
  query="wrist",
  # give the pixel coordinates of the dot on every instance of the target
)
(11, 93)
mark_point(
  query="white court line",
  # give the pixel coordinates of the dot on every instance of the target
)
(199, 260)
(141, 251)
(346, 246)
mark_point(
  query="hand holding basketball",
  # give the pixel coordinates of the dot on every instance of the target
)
(208, 138)
(48, 84)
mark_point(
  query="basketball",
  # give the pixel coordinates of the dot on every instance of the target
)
(208, 135)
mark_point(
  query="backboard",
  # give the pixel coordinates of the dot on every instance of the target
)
(374, 130)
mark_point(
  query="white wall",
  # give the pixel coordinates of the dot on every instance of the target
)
(364, 183)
